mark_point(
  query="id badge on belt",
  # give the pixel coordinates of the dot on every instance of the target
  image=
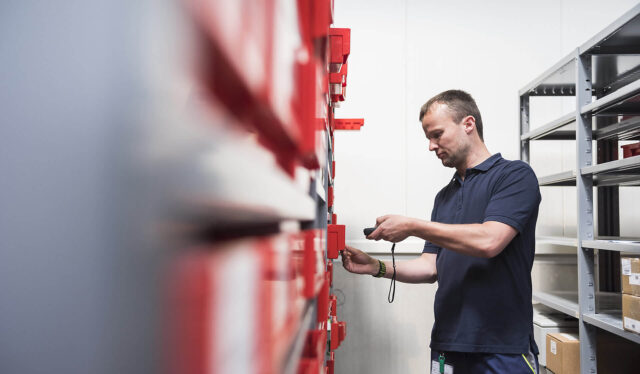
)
(439, 367)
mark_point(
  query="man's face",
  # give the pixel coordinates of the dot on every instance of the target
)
(446, 138)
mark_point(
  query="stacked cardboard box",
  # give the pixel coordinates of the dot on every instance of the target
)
(563, 353)
(631, 293)
(549, 322)
(615, 355)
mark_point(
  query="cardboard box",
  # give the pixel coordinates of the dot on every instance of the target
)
(563, 353)
(547, 323)
(630, 275)
(631, 313)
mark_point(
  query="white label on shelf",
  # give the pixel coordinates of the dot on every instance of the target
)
(626, 266)
(632, 324)
(569, 337)
(634, 279)
(553, 347)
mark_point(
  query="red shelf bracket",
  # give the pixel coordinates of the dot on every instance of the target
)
(348, 123)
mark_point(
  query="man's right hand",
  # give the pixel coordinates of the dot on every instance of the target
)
(356, 261)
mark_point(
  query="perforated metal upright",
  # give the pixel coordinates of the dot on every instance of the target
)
(524, 127)
(584, 186)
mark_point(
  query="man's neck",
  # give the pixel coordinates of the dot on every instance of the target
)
(474, 158)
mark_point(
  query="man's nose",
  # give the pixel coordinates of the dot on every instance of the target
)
(432, 145)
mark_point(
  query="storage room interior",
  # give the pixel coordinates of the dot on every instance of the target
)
(180, 179)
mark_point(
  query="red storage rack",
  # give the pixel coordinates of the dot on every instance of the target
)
(330, 197)
(338, 332)
(205, 305)
(314, 352)
(309, 92)
(273, 85)
(331, 363)
(333, 305)
(250, 296)
(314, 262)
(316, 16)
(330, 272)
(323, 303)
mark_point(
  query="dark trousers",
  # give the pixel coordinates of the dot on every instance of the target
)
(484, 363)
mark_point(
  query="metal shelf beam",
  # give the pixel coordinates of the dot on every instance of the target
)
(565, 178)
(551, 131)
(565, 302)
(614, 244)
(626, 130)
(620, 37)
(557, 240)
(612, 322)
(624, 165)
(560, 76)
(615, 98)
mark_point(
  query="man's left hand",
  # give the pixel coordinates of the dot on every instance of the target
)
(392, 228)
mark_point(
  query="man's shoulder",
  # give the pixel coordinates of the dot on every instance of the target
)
(510, 166)
(518, 175)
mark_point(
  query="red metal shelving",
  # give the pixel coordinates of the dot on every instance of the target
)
(276, 68)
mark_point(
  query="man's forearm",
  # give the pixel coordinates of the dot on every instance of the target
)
(473, 239)
(411, 271)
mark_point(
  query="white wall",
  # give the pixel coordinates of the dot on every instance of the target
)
(403, 53)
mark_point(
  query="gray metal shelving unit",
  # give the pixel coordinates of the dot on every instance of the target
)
(603, 75)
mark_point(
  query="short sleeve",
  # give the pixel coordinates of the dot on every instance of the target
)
(515, 197)
(428, 246)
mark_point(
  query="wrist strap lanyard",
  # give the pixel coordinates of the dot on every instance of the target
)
(392, 286)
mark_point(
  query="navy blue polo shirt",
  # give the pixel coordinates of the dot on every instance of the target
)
(484, 305)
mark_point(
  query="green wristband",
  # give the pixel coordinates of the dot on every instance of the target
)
(382, 270)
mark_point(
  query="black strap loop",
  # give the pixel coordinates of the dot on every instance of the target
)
(391, 295)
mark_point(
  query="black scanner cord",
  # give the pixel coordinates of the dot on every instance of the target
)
(392, 286)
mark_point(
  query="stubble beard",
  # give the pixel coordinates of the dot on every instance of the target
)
(455, 159)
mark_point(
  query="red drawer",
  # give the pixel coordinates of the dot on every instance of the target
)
(335, 240)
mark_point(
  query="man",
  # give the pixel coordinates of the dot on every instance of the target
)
(479, 247)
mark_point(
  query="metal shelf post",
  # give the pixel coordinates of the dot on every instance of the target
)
(584, 185)
(524, 128)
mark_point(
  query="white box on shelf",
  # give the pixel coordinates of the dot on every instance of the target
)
(546, 323)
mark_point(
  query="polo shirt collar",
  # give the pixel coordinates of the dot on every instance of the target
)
(488, 163)
(483, 166)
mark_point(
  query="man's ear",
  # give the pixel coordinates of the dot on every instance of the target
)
(469, 123)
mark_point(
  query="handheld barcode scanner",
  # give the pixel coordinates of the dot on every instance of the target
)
(369, 230)
(391, 295)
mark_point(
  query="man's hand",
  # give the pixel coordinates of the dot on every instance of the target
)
(356, 261)
(392, 228)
